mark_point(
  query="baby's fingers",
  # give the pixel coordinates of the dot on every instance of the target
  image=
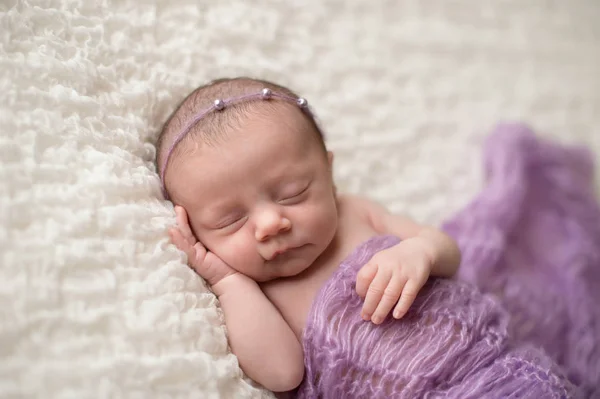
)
(409, 294)
(375, 292)
(183, 225)
(388, 299)
(177, 239)
(364, 278)
(181, 243)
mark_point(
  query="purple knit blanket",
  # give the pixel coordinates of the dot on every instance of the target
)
(522, 319)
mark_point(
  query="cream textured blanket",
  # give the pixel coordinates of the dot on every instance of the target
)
(94, 302)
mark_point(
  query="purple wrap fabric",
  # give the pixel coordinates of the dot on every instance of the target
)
(521, 319)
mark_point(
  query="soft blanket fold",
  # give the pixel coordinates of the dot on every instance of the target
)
(520, 320)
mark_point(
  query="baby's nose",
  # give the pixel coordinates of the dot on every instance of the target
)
(270, 224)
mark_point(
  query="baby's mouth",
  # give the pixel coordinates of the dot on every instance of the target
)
(277, 254)
(280, 253)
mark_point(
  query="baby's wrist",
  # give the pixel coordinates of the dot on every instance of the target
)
(432, 244)
(443, 252)
(231, 283)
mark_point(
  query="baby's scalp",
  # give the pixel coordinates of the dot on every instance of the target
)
(212, 128)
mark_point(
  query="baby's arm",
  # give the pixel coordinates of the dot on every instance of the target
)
(265, 345)
(393, 277)
(444, 252)
(263, 342)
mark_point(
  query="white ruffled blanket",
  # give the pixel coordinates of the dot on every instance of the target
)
(94, 302)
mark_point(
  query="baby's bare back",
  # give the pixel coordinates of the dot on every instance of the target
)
(294, 296)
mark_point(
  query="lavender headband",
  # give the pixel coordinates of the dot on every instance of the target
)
(219, 105)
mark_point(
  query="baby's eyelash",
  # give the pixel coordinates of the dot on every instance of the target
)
(296, 194)
(229, 222)
(299, 192)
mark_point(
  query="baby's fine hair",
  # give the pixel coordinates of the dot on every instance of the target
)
(211, 128)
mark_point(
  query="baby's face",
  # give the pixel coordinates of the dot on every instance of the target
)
(263, 200)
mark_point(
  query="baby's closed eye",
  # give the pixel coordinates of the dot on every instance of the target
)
(293, 194)
(230, 221)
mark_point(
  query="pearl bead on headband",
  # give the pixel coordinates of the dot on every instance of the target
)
(219, 105)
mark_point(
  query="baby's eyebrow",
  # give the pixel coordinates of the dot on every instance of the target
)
(299, 177)
(219, 209)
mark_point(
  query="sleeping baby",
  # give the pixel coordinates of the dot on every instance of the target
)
(324, 294)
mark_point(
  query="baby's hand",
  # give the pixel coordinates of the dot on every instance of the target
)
(393, 277)
(208, 265)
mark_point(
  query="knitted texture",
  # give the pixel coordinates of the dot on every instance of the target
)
(520, 321)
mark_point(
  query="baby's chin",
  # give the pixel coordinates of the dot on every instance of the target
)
(277, 271)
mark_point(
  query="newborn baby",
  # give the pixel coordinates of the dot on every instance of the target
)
(259, 218)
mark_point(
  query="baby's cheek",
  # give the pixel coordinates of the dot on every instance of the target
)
(324, 218)
(237, 252)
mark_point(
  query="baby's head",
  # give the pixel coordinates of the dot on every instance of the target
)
(253, 174)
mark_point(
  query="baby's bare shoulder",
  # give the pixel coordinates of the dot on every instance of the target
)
(356, 204)
(355, 211)
(352, 201)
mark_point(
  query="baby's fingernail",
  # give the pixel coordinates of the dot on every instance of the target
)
(396, 314)
(376, 319)
(364, 316)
